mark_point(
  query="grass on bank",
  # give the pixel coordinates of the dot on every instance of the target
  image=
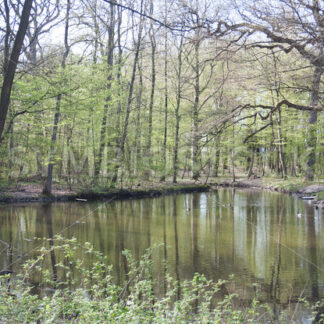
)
(293, 184)
(72, 292)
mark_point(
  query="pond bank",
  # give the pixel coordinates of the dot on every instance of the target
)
(33, 192)
(292, 187)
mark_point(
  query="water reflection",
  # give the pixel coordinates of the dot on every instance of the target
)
(46, 211)
(254, 235)
(312, 250)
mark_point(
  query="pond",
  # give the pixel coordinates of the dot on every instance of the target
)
(258, 236)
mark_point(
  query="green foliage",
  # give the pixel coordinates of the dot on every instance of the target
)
(91, 296)
(320, 195)
(288, 185)
(93, 115)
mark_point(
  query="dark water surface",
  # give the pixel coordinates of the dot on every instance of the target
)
(255, 235)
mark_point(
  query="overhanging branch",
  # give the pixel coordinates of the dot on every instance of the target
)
(256, 132)
(142, 14)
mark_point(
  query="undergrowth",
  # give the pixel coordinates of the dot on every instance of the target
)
(71, 292)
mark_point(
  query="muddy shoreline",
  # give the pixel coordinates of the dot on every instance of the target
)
(306, 192)
(32, 193)
(24, 196)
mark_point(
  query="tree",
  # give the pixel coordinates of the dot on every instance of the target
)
(48, 183)
(150, 116)
(177, 111)
(166, 94)
(124, 132)
(110, 62)
(10, 70)
(293, 26)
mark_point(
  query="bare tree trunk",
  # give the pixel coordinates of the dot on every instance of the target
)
(217, 156)
(94, 60)
(293, 165)
(6, 52)
(280, 141)
(281, 157)
(150, 117)
(165, 136)
(280, 148)
(311, 140)
(12, 64)
(119, 104)
(130, 96)
(225, 161)
(233, 155)
(177, 114)
(138, 139)
(110, 62)
(47, 190)
(195, 117)
(250, 171)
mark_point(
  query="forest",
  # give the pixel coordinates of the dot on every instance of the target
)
(103, 100)
(117, 93)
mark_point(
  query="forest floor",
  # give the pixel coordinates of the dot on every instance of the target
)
(25, 192)
(32, 192)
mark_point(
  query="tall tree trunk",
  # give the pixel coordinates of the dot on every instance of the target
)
(177, 114)
(233, 155)
(311, 140)
(150, 117)
(138, 139)
(47, 190)
(6, 55)
(110, 62)
(6, 46)
(165, 136)
(281, 156)
(251, 162)
(119, 104)
(12, 64)
(225, 160)
(130, 96)
(32, 57)
(195, 118)
(217, 156)
(280, 147)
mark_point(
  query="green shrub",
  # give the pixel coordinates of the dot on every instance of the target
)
(89, 295)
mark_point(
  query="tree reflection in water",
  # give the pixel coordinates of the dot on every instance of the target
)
(312, 250)
(46, 210)
(252, 234)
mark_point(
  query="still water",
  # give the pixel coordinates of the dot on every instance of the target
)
(254, 235)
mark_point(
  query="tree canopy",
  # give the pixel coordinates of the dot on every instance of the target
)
(116, 93)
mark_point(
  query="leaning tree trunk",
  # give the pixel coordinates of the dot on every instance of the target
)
(121, 148)
(12, 64)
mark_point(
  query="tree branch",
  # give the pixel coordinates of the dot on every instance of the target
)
(142, 14)
(257, 131)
